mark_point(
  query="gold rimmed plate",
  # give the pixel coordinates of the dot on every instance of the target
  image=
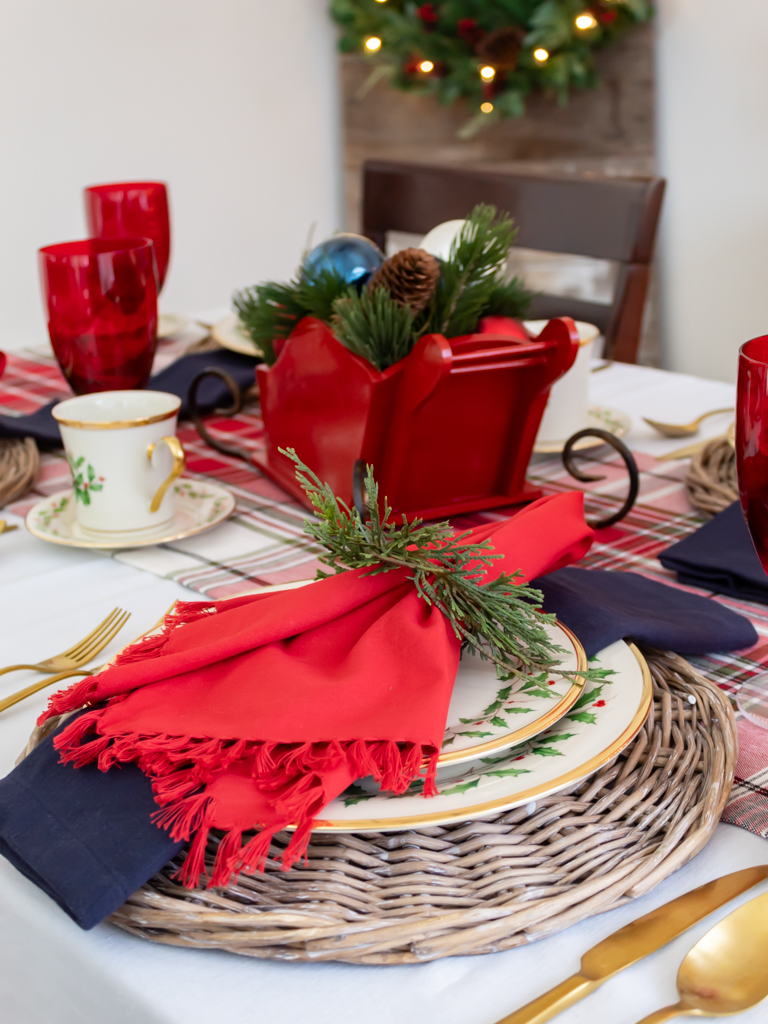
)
(230, 333)
(487, 714)
(602, 723)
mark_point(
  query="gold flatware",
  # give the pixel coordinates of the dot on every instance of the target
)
(725, 972)
(635, 941)
(83, 651)
(682, 429)
(690, 449)
(603, 366)
(5, 528)
(20, 695)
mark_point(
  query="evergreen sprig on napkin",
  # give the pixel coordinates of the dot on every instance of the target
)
(375, 324)
(498, 618)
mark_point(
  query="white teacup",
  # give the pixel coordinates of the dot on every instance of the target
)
(124, 455)
(568, 403)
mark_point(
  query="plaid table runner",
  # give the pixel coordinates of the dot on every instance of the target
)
(263, 542)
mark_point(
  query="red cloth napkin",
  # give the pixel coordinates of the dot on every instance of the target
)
(256, 712)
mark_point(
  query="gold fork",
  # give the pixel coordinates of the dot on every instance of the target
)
(36, 687)
(83, 651)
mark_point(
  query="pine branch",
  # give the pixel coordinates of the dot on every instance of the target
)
(373, 325)
(498, 618)
(270, 311)
(511, 298)
(471, 274)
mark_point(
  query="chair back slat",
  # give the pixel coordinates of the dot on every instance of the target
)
(610, 218)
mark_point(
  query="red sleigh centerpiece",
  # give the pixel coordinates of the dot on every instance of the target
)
(448, 429)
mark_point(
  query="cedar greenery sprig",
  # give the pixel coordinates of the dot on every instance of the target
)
(498, 619)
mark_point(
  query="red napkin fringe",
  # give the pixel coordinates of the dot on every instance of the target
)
(290, 773)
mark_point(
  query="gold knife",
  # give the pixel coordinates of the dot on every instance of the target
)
(636, 940)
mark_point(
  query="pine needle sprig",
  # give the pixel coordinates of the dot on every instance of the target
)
(271, 310)
(375, 326)
(498, 619)
(472, 273)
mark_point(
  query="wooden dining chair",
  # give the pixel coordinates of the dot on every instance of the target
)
(607, 219)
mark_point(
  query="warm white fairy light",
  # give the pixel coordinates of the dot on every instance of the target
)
(585, 21)
(487, 73)
(541, 54)
(426, 66)
(372, 44)
(486, 107)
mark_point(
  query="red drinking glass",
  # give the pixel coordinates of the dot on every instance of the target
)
(132, 209)
(752, 441)
(101, 298)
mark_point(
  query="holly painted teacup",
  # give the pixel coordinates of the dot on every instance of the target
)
(124, 455)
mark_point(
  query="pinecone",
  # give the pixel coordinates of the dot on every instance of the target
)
(410, 277)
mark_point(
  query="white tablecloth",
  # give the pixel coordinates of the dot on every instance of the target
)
(53, 973)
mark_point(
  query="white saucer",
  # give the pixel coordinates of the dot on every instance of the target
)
(199, 506)
(612, 420)
(170, 323)
(230, 333)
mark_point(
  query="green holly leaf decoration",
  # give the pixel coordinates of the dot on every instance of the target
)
(462, 787)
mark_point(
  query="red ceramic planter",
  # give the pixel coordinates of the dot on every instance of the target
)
(448, 429)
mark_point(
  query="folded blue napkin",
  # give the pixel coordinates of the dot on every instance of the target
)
(175, 379)
(602, 607)
(720, 557)
(85, 836)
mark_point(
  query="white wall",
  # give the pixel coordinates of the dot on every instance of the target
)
(233, 103)
(713, 149)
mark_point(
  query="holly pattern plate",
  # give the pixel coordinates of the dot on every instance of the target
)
(606, 717)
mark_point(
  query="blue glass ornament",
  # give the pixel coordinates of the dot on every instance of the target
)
(355, 257)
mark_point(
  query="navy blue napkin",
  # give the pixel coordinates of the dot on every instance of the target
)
(85, 836)
(175, 379)
(602, 607)
(720, 557)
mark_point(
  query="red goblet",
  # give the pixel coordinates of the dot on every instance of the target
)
(101, 298)
(752, 441)
(132, 209)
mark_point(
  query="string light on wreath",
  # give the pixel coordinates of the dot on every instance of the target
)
(585, 21)
(493, 61)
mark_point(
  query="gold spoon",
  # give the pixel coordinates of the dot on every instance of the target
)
(682, 429)
(725, 972)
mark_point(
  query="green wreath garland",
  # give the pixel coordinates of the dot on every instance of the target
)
(492, 53)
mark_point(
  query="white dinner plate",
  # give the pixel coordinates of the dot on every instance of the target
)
(607, 717)
(487, 714)
(230, 333)
(612, 420)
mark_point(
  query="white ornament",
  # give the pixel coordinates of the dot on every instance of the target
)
(438, 241)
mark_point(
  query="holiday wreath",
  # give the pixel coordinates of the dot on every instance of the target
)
(492, 53)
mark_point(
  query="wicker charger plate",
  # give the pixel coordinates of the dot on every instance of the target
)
(480, 886)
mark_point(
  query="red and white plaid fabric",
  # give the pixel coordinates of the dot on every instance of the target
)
(263, 543)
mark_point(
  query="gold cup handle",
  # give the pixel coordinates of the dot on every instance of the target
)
(179, 463)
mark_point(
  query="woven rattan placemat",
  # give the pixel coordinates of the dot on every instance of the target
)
(19, 466)
(711, 481)
(479, 886)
